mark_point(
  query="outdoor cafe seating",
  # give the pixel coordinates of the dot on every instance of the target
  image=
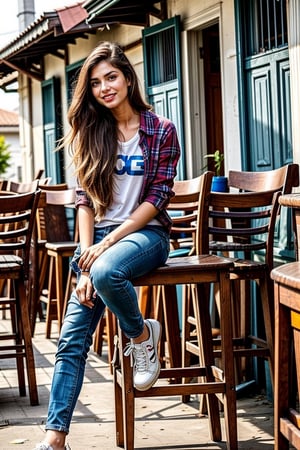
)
(220, 363)
(17, 219)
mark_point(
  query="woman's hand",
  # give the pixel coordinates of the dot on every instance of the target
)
(90, 254)
(85, 290)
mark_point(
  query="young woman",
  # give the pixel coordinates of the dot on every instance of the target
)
(125, 159)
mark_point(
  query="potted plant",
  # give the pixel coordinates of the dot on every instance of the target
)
(219, 182)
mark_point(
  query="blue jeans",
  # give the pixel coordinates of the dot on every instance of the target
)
(134, 255)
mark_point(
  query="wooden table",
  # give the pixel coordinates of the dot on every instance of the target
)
(287, 341)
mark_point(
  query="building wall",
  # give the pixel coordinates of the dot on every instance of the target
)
(11, 134)
(195, 16)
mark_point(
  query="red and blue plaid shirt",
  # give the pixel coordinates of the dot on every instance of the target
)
(161, 152)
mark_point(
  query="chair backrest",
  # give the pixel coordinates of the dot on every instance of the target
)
(3, 185)
(282, 179)
(53, 187)
(45, 181)
(239, 222)
(17, 218)
(39, 174)
(52, 218)
(183, 211)
(21, 188)
(183, 206)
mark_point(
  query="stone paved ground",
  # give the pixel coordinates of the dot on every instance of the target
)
(162, 423)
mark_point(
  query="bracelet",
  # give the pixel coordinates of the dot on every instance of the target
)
(85, 271)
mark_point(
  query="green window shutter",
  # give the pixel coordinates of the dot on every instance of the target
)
(54, 161)
(162, 63)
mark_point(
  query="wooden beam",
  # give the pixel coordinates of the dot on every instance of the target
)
(39, 76)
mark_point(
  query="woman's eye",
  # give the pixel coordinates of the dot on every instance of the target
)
(94, 84)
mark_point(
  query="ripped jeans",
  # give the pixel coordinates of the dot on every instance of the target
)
(133, 256)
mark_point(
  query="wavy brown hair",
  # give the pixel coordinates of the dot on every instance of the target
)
(93, 137)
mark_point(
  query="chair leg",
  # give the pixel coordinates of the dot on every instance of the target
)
(37, 307)
(29, 355)
(111, 327)
(267, 299)
(227, 355)
(50, 302)
(127, 398)
(170, 311)
(206, 357)
(59, 289)
(17, 329)
(98, 337)
(186, 332)
(118, 402)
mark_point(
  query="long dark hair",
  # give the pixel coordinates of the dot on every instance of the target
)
(93, 138)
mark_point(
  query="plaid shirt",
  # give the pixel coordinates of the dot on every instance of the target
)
(161, 151)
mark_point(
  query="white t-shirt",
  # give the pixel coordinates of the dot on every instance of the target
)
(128, 180)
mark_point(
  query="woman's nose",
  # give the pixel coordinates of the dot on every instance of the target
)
(104, 86)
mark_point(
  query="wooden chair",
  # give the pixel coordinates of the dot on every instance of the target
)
(287, 341)
(42, 260)
(183, 209)
(17, 220)
(16, 187)
(197, 271)
(56, 247)
(239, 227)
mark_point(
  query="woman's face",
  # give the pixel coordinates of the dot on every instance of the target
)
(109, 85)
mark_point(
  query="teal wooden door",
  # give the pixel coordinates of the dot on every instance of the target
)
(267, 79)
(264, 80)
(264, 97)
(161, 45)
(54, 161)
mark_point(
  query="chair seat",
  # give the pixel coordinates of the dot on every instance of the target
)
(61, 246)
(10, 263)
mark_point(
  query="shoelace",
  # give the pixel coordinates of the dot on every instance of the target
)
(137, 351)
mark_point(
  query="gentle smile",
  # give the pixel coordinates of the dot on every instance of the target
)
(108, 97)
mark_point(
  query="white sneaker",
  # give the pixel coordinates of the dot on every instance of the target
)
(146, 365)
(45, 446)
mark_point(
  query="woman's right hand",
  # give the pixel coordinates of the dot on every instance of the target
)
(85, 290)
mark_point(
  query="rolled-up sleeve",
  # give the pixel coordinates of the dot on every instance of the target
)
(82, 198)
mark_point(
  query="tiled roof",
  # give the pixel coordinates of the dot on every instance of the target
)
(8, 118)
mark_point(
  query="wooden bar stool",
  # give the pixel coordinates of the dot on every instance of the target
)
(198, 271)
(59, 247)
(287, 341)
(242, 224)
(219, 384)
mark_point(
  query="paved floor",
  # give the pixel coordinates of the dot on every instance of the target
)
(162, 424)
